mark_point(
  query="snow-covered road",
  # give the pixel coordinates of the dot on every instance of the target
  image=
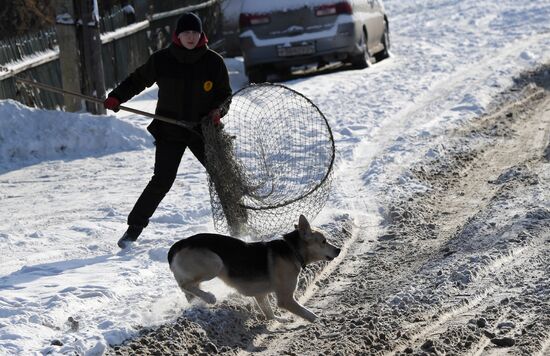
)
(68, 181)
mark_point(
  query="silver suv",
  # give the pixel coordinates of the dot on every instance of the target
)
(278, 34)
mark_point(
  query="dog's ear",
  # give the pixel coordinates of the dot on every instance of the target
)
(303, 226)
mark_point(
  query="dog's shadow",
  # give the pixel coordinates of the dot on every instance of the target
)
(229, 325)
(233, 324)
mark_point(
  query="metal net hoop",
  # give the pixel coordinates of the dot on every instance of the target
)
(272, 161)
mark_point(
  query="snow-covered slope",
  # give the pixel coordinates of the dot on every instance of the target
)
(31, 135)
(68, 181)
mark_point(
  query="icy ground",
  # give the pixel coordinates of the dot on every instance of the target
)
(441, 190)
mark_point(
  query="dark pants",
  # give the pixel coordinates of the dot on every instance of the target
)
(168, 156)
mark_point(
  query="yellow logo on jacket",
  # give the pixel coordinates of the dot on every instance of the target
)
(207, 86)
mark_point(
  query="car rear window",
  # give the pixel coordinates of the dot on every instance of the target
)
(265, 6)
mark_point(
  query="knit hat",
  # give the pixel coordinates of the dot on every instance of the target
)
(189, 22)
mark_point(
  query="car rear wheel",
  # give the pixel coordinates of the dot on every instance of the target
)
(363, 59)
(256, 75)
(386, 42)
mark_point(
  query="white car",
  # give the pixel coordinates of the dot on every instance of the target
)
(278, 34)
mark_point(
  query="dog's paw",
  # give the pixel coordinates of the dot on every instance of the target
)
(209, 298)
(311, 317)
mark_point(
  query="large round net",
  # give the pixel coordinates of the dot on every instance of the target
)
(271, 161)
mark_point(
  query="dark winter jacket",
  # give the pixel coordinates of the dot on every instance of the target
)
(191, 83)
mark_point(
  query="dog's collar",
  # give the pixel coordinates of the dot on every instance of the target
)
(298, 256)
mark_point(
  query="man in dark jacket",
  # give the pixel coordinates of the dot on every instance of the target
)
(193, 83)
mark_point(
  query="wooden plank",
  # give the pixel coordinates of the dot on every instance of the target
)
(124, 31)
(16, 68)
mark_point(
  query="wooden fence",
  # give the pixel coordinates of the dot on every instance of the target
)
(35, 54)
(124, 48)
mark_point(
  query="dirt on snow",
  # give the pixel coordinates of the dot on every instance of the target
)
(460, 267)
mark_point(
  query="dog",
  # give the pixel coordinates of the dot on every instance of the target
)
(253, 269)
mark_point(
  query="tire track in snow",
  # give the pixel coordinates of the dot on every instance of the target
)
(545, 348)
(479, 348)
(365, 154)
(512, 264)
(426, 110)
(479, 300)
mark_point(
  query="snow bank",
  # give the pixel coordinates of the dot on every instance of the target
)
(31, 134)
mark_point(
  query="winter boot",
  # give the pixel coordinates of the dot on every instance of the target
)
(129, 236)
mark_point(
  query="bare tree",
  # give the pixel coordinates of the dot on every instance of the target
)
(22, 16)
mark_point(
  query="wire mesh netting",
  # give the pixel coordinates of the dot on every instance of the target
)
(271, 161)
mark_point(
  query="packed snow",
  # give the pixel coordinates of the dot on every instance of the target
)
(68, 181)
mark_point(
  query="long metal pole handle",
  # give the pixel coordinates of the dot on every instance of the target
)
(100, 101)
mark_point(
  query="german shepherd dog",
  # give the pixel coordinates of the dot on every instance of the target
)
(253, 269)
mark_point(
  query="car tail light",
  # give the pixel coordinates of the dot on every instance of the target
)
(338, 8)
(247, 20)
